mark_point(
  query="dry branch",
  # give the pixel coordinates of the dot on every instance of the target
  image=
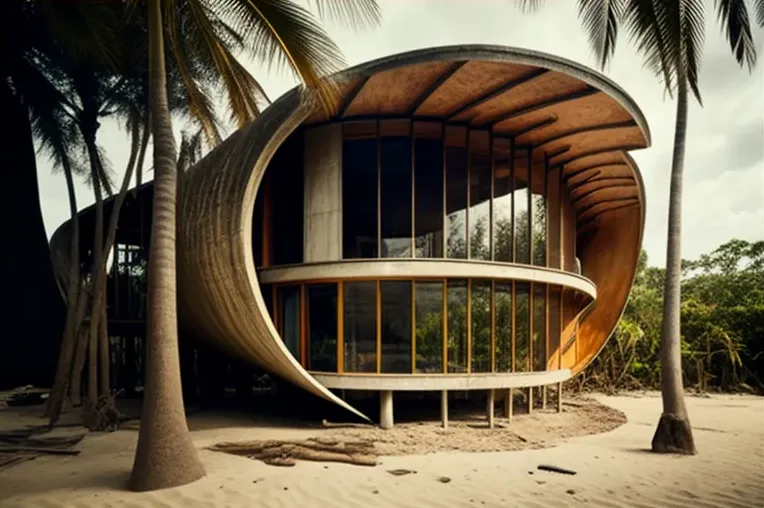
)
(286, 453)
(35, 449)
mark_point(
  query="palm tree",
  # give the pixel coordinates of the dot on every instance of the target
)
(669, 35)
(28, 30)
(279, 31)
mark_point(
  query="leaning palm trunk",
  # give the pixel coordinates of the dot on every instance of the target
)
(96, 281)
(165, 456)
(674, 434)
(73, 293)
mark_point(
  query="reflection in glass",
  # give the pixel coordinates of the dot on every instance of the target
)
(456, 192)
(359, 207)
(428, 190)
(553, 216)
(538, 206)
(289, 318)
(503, 326)
(429, 326)
(481, 325)
(555, 309)
(480, 196)
(520, 197)
(396, 326)
(395, 189)
(360, 324)
(522, 326)
(539, 327)
(322, 327)
(457, 325)
(502, 202)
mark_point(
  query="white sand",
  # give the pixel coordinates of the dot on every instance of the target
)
(613, 470)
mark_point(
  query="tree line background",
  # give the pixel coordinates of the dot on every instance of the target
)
(722, 326)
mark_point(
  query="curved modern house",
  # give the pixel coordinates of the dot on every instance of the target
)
(468, 218)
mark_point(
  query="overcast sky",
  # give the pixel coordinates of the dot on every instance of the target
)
(724, 168)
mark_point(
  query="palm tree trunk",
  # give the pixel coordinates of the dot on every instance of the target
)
(674, 434)
(69, 340)
(97, 283)
(165, 456)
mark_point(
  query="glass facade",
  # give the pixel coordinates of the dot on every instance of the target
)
(423, 189)
(394, 326)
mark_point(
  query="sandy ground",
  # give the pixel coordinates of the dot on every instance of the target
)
(614, 468)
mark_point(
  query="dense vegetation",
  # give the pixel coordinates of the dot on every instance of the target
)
(722, 325)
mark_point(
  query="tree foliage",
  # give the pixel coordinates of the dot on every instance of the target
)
(722, 325)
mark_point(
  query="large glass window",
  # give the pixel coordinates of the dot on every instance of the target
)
(521, 201)
(287, 174)
(480, 195)
(360, 326)
(553, 216)
(456, 192)
(503, 326)
(396, 326)
(429, 326)
(428, 189)
(322, 327)
(522, 326)
(538, 207)
(481, 325)
(555, 310)
(539, 327)
(395, 188)
(359, 196)
(289, 318)
(457, 325)
(502, 201)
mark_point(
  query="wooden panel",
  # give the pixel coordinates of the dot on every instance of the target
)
(543, 88)
(586, 111)
(609, 254)
(470, 82)
(344, 89)
(605, 195)
(568, 233)
(587, 142)
(614, 157)
(395, 91)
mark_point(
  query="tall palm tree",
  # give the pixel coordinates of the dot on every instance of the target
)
(27, 30)
(275, 31)
(669, 35)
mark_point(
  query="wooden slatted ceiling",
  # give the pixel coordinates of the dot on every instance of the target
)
(395, 91)
(545, 87)
(586, 111)
(473, 80)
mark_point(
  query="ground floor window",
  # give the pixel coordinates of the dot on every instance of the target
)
(424, 326)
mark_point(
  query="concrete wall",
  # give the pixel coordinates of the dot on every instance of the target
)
(323, 194)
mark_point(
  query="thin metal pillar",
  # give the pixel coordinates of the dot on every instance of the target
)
(491, 403)
(444, 408)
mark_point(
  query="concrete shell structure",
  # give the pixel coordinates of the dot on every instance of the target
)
(538, 204)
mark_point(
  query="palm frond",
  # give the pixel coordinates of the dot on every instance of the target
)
(758, 6)
(529, 5)
(356, 14)
(648, 23)
(190, 151)
(601, 19)
(692, 26)
(733, 15)
(280, 32)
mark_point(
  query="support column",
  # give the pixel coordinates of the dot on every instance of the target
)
(386, 409)
(530, 399)
(559, 397)
(444, 408)
(543, 397)
(322, 239)
(491, 402)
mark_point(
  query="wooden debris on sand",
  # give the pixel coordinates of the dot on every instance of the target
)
(556, 469)
(22, 445)
(286, 453)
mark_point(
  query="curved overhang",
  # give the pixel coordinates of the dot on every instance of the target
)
(425, 269)
(568, 115)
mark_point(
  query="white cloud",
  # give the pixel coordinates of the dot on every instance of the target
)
(721, 200)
